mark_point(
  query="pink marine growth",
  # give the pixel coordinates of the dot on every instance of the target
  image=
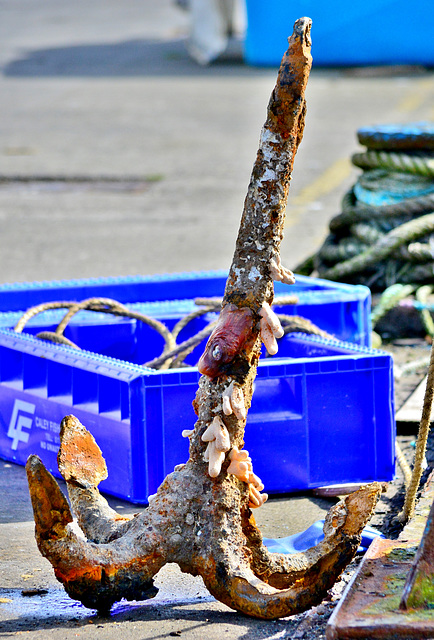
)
(232, 334)
(279, 273)
(241, 466)
(270, 328)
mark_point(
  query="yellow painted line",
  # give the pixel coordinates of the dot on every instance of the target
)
(330, 179)
(417, 96)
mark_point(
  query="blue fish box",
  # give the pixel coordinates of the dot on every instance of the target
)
(340, 309)
(322, 411)
(365, 32)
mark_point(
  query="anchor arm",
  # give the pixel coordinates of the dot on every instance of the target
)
(83, 468)
(97, 575)
(343, 528)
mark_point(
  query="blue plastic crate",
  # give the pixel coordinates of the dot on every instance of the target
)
(365, 32)
(340, 309)
(325, 408)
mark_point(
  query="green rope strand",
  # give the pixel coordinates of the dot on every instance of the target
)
(410, 231)
(333, 252)
(417, 252)
(306, 267)
(422, 295)
(419, 165)
(351, 212)
(368, 234)
(298, 324)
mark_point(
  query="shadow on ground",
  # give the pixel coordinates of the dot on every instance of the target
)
(131, 58)
(55, 610)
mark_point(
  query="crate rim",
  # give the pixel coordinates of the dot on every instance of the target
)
(161, 277)
(76, 357)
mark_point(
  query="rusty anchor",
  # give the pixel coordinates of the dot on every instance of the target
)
(200, 517)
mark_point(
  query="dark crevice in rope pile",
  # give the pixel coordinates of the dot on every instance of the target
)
(173, 354)
(417, 297)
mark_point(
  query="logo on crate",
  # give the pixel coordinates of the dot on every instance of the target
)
(22, 418)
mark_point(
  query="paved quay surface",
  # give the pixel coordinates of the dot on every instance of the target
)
(119, 155)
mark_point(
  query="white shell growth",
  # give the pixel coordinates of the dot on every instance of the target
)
(280, 273)
(219, 442)
(233, 401)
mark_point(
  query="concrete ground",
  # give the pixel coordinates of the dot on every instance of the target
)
(107, 90)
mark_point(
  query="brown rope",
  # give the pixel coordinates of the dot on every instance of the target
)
(186, 346)
(33, 311)
(181, 324)
(51, 336)
(173, 354)
(298, 324)
(178, 358)
(104, 305)
(405, 467)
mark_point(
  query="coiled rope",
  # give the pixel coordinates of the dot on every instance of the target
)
(417, 164)
(384, 235)
(384, 232)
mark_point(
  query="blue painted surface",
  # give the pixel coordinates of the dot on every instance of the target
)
(378, 187)
(304, 540)
(392, 136)
(365, 32)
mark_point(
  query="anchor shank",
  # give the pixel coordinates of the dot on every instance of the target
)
(261, 227)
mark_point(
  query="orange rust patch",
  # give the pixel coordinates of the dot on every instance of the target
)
(91, 573)
(80, 458)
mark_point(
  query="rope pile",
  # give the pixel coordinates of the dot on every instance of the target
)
(383, 234)
(173, 354)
